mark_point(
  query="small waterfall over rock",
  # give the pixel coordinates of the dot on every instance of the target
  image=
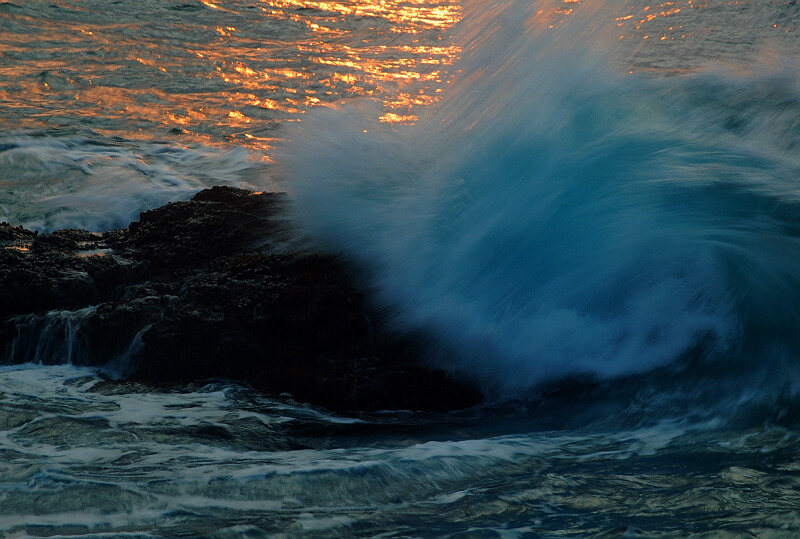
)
(52, 338)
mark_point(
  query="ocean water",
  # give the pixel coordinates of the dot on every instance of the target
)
(592, 209)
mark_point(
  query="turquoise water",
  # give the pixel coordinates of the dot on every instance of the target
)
(590, 208)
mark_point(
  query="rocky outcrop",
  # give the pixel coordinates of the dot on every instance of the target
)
(213, 287)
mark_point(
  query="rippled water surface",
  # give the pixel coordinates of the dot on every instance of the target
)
(84, 457)
(592, 208)
(214, 73)
(111, 108)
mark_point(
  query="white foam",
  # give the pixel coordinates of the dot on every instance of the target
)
(86, 182)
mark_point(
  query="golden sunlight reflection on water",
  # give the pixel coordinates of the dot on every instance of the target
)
(231, 71)
(227, 72)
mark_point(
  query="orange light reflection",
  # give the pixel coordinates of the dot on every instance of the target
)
(229, 82)
(331, 68)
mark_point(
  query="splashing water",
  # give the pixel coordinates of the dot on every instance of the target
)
(555, 216)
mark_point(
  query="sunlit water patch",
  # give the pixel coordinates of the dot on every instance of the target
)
(113, 108)
(215, 73)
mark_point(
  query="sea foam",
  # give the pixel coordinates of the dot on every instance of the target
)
(86, 180)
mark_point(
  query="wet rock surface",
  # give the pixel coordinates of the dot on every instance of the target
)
(210, 288)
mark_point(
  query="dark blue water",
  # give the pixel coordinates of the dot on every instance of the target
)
(593, 210)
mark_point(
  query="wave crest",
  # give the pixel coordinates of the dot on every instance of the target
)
(552, 217)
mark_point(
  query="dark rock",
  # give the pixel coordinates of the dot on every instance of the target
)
(45, 272)
(215, 223)
(213, 287)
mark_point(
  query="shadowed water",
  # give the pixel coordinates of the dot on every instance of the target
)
(85, 458)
